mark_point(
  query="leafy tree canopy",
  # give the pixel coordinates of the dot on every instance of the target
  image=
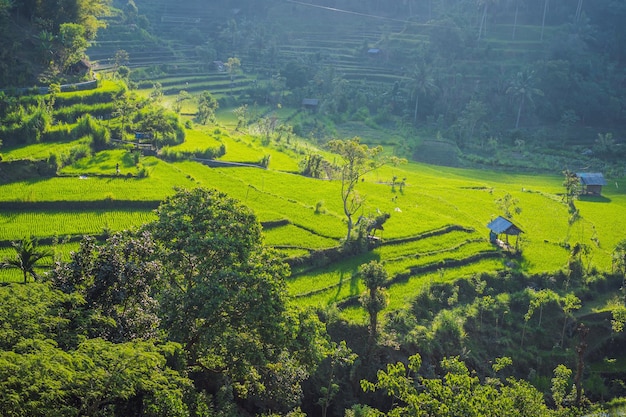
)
(224, 296)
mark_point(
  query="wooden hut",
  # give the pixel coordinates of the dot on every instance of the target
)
(310, 103)
(501, 226)
(591, 182)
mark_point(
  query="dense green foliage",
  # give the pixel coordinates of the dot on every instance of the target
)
(187, 315)
(44, 41)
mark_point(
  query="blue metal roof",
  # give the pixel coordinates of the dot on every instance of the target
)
(501, 225)
(591, 178)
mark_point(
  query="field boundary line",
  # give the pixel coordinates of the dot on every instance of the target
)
(436, 232)
(404, 276)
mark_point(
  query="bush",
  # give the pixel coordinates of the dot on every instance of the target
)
(319, 207)
(143, 173)
(79, 152)
(35, 125)
(172, 155)
(100, 136)
(53, 162)
(58, 133)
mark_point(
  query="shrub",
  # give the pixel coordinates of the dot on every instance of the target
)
(80, 151)
(58, 133)
(100, 139)
(143, 172)
(99, 135)
(36, 124)
(53, 162)
(171, 155)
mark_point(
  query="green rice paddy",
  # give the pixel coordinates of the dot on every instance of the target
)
(436, 231)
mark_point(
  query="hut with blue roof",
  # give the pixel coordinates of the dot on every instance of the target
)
(591, 182)
(501, 226)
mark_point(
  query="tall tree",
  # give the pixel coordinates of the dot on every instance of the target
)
(523, 89)
(568, 304)
(422, 83)
(543, 19)
(28, 254)
(619, 264)
(119, 280)
(357, 160)
(579, 10)
(73, 45)
(90, 14)
(482, 29)
(340, 356)
(124, 107)
(473, 112)
(375, 300)
(207, 105)
(224, 296)
(517, 4)
(572, 186)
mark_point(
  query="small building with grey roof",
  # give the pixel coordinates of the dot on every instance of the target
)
(591, 182)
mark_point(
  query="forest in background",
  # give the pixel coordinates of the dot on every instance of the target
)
(501, 81)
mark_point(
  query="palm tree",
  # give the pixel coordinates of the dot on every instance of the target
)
(422, 82)
(522, 88)
(483, 20)
(579, 10)
(543, 20)
(26, 258)
(517, 4)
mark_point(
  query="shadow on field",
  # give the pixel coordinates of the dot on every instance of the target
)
(594, 198)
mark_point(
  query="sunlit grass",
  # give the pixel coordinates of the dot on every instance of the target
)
(296, 237)
(160, 183)
(37, 151)
(197, 140)
(104, 163)
(17, 225)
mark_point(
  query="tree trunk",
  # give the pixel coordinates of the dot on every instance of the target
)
(417, 97)
(349, 227)
(519, 112)
(515, 20)
(373, 319)
(543, 20)
(483, 23)
(579, 10)
(580, 366)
